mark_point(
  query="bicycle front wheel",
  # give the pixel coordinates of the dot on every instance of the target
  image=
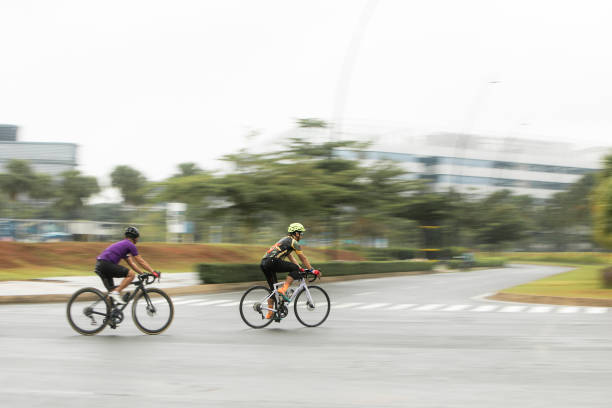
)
(255, 305)
(88, 310)
(312, 306)
(152, 311)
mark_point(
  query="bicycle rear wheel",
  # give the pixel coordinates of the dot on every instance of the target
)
(254, 306)
(152, 311)
(312, 306)
(88, 310)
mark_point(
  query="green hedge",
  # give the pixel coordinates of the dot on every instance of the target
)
(479, 263)
(231, 273)
(390, 254)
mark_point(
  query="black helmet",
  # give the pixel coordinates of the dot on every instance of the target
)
(132, 232)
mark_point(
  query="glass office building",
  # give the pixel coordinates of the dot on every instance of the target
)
(49, 158)
(481, 165)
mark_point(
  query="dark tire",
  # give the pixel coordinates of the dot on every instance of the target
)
(315, 313)
(251, 309)
(153, 313)
(88, 311)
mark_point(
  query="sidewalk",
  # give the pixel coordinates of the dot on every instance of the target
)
(60, 288)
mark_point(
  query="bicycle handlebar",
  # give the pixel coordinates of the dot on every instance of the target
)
(308, 278)
(148, 278)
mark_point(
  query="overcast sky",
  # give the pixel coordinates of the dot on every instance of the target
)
(155, 83)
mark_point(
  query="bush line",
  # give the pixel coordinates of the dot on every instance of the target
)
(233, 273)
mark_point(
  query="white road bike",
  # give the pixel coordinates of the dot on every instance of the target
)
(311, 303)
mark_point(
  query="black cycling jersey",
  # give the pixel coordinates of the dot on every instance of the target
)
(282, 248)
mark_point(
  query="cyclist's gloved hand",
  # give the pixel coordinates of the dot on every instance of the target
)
(157, 274)
(316, 272)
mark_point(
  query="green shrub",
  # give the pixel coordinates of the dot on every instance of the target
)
(606, 277)
(478, 263)
(389, 254)
(231, 273)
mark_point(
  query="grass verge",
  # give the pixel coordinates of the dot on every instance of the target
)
(582, 282)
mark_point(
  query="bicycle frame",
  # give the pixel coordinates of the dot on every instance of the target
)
(139, 287)
(302, 286)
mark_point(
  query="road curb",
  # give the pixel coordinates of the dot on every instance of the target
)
(550, 300)
(203, 289)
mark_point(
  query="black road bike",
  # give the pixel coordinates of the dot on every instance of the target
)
(90, 310)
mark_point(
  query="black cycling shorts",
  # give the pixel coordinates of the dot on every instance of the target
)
(107, 271)
(270, 266)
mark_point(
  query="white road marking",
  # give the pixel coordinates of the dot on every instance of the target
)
(401, 306)
(596, 310)
(429, 307)
(455, 308)
(485, 308)
(184, 302)
(211, 302)
(512, 309)
(540, 309)
(373, 306)
(347, 305)
(568, 309)
(228, 304)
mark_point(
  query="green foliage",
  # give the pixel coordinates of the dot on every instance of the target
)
(231, 273)
(602, 205)
(21, 179)
(131, 183)
(387, 254)
(478, 263)
(72, 190)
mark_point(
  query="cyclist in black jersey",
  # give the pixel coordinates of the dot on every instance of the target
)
(274, 260)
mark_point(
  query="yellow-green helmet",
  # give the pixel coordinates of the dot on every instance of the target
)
(296, 227)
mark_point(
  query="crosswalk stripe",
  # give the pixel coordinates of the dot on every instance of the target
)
(401, 306)
(347, 305)
(185, 302)
(228, 304)
(455, 308)
(596, 310)
(428, 307)
(417, 307)
(211, 302)
(540, 309)
(512, 309)
(485, 308)
(373, 306)
(568, 309)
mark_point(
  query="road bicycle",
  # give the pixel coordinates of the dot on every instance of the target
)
(311, 303)
(89, 310)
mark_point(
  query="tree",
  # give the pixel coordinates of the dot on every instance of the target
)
(131, 183)
(500, 219)
(188, 169)
(601, 200)
(19, 179)
(72, 190)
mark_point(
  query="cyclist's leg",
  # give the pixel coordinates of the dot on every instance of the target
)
(107, 279)
(128, 276)
(293, 269)
(271, 279)
(110, 270)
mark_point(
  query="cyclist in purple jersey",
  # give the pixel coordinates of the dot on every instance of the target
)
(107, 265)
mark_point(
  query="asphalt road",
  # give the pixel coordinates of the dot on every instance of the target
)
(413, 341)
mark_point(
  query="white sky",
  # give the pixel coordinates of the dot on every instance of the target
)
(155, 83)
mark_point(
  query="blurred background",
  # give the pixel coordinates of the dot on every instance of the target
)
(434, 128)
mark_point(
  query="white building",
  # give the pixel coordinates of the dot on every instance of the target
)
(481, 165)
(48, 158)
(467, 163)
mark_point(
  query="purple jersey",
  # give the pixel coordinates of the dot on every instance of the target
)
(118, 251)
